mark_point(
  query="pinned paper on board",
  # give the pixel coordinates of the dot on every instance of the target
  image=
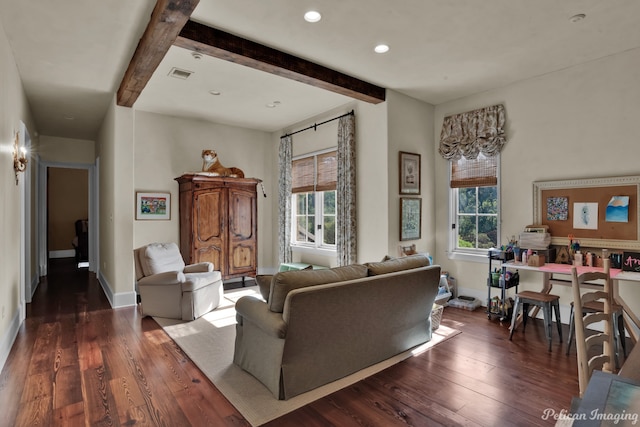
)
(618, 209)
(585, 216)
(557, 208)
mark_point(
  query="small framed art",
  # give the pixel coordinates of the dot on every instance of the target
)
(410, 218)
(153, 205)
(409, 173)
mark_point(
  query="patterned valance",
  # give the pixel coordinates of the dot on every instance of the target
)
(473, 132)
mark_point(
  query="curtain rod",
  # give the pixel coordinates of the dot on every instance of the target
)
(315, 125)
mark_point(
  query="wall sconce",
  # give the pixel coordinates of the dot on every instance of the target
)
(19, 157)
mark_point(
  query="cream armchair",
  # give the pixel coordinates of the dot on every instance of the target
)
(169, 288)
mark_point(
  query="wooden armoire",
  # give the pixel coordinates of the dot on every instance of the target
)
(219, 223)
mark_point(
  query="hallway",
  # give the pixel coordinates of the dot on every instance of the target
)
(77, 362)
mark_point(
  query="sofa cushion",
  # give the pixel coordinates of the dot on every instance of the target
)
(264, 284)
(397, 264)
(161, 257)
(286, 281)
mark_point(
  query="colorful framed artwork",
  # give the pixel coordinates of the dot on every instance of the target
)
(409, 173)
(153, 206)
(410, 218)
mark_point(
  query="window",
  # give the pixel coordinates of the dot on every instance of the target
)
(475, 204)
(314, 180)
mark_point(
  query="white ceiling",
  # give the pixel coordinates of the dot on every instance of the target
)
(72, 54)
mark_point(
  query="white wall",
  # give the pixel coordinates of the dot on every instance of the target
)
(167, 147)
(66, 150)
(115, 147)
(382, 131)
(410, 127)
(14, 108)
(576, 123)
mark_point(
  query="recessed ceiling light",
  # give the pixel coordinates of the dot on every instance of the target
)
(381, 48)
(196, 55)
(214, 92)
(69, 117)
(577, 18)
(312, 16)
(273, 104)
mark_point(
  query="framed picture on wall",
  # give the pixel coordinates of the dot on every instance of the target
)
(153, 205)
(409, 173)
(410, 218)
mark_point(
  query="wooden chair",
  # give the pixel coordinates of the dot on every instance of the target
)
(603, 342)
(618, 327)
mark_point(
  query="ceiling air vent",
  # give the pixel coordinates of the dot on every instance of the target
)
(180, 74)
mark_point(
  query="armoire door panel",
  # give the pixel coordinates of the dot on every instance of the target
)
(208, 221)
(242, 259)
(211, 254)
(241, 212)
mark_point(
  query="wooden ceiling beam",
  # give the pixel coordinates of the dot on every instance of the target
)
(219, 44)
(166, 22)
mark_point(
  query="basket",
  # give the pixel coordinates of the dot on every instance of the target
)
(436, 316)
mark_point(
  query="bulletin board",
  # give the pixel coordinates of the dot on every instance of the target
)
(598, 212)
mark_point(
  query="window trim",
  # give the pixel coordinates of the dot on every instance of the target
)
(472, 255)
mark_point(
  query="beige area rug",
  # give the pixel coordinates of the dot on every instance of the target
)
(209, 342)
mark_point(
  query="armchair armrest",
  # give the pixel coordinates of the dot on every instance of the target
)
(163, 279)
(201, 267)
(257, 312)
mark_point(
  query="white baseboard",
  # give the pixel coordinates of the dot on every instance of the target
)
(118, 300)
(9, 338)
(67, 253)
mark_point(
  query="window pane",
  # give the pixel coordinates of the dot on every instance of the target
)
(329, 198)
(467, 200)
(301, 222)
(311, 203)
(311, 225)
(487, 232)
(488, 200)
(329, 230)
(467, 231)
(301, 200)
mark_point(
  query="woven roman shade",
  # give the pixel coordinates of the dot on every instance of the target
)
(303, 174)
(315, 173)
(479, 172)
(327, 171)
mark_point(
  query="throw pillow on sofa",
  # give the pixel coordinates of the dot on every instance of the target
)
(397, 264)
(264, 284)
(286, 281)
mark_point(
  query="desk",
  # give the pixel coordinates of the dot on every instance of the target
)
(548, 280)
(610, 400)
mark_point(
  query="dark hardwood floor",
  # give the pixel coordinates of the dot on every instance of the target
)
(76, 361)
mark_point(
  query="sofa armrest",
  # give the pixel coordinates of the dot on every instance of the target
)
(257, 312)
(163, 279)
(201, 267)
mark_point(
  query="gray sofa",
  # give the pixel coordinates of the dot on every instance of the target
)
(321, 325)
